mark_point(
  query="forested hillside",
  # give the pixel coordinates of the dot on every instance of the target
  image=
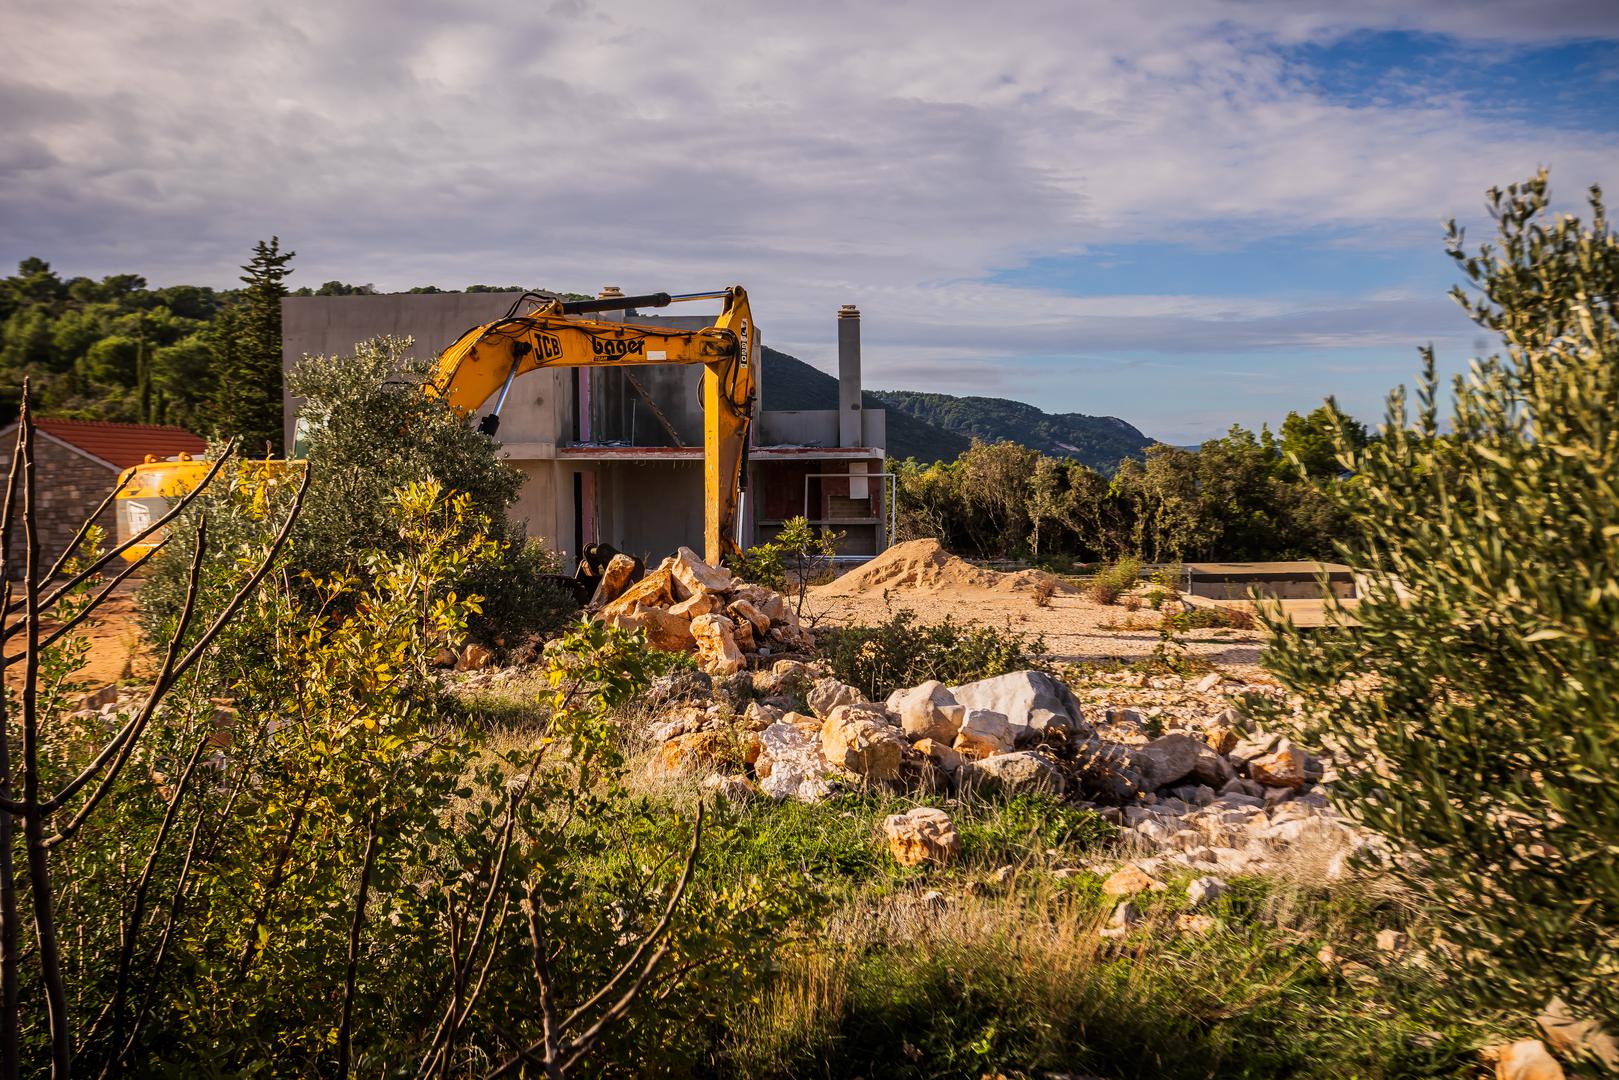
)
(1098, 441)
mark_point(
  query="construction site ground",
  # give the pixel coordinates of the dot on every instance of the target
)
(922, 577)
(917, 576)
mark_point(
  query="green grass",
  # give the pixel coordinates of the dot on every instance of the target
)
(940, 972)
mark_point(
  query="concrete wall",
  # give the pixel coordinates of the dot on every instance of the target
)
(539, 408)
(817, 427)
(68, 486)
(647, 507)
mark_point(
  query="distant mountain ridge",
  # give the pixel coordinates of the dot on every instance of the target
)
(1098, 441)
(789, 383)
(938, 427)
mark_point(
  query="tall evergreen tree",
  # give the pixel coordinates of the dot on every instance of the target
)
(248, 399)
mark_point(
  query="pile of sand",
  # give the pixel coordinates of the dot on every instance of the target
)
(924, 566)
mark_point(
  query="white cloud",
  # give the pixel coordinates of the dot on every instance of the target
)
(891, 154)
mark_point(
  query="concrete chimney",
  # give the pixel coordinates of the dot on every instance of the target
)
(849, 413)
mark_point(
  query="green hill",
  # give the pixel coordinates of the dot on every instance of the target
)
(1098, 441)
(789, 383)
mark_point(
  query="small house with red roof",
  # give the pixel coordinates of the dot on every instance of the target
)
(76, 464)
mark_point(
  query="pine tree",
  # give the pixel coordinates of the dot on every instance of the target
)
(248, 399)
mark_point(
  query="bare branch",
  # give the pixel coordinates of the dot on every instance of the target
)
(170, 674)
(106, 557)
(558, 1059)
(89, 608)
(345, 1031)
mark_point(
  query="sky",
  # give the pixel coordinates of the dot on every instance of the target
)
(1188, 214)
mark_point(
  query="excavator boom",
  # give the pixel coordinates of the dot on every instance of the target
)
(485, 360)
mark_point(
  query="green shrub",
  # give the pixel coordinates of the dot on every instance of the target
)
(368, 430)
(1114, 580)
(1471, 702)
(905, 652)
(1205, 618)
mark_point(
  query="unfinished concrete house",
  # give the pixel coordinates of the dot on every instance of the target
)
(616, 456)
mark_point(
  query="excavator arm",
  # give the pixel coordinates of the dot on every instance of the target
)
(486, 360)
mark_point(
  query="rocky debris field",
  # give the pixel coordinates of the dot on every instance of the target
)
(686, 605)
(1173, 762)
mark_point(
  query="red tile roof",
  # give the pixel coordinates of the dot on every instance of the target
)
(123, 445)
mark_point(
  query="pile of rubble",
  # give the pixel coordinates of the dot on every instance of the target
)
(1185, 782)
(686, 605)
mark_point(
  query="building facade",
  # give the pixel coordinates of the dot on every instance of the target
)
(76, 466)
(615, 455)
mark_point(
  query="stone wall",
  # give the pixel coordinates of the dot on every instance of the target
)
(67, 487)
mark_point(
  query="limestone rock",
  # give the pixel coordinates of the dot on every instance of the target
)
(860, 739)
(924, 834)
(1010, 774)
(1527, 1059)
(743, 610)
(1282, 768)
(654, 590)
(927, 711)
(717, 653)
(696, 576)
(983, 733)
(828, 693)
(1030, 700)
(614, 580)
(665, 630)
(1194, 924)
(943, 757)
(1170, 759)
(1108, 772)
(1577, 1038)
(687, 753)
(1205, 891)
(1253, 746)
(790, 765)
(1127, 880)
(693, 606)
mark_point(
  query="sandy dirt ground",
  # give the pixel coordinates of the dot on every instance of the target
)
(114, 643)
(923, 578)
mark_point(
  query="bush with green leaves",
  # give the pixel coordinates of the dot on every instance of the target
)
(368, 430)
(904, 651)
(1114, 580)
(1471, 700)
(327, 878)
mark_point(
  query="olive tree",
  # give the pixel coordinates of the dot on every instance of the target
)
(1473, 696)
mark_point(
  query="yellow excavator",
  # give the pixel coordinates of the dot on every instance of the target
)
(487, 359)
